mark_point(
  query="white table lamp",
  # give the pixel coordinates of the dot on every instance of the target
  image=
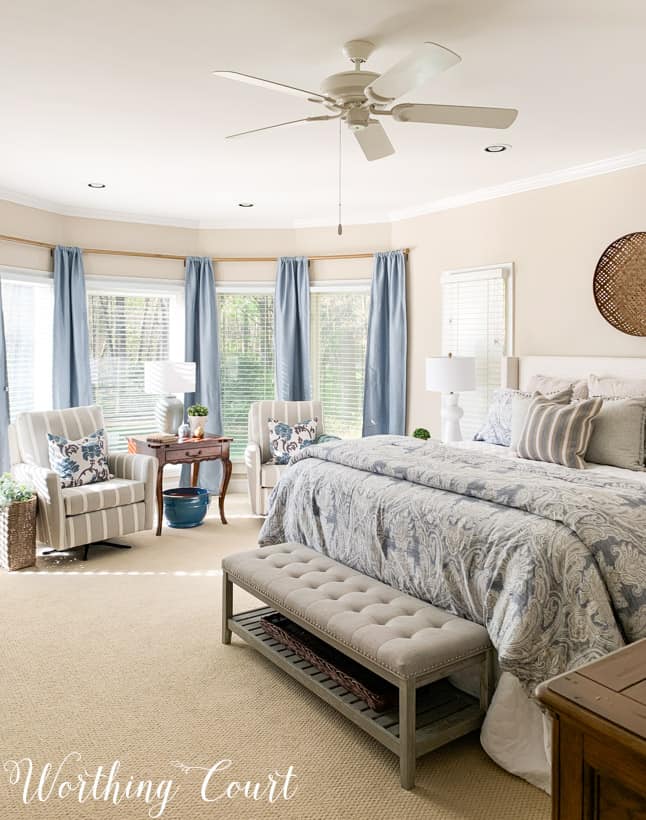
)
(451, 375)
(165, 379)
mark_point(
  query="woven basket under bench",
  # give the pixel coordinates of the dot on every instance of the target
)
(18, 535)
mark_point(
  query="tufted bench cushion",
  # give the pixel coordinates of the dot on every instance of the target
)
(403, 634)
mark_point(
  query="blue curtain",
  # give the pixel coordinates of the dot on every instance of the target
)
(292, 329)
(384, 400)
(202, 348)
(72, 380)
(5, 461)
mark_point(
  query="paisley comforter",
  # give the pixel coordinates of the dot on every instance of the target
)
(551, 560)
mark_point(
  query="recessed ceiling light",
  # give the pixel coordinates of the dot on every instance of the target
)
(497, 149)
(245, 204)
(96, 185)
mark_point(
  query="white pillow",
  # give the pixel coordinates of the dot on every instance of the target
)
(612, 387)
(554, 384)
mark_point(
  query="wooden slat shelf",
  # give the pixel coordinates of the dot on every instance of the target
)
(441, 708)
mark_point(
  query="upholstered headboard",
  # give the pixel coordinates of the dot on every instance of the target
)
(518, 370)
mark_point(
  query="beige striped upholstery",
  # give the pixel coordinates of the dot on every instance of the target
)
(32, 429)
(77, 516)
(262, 476)
(102, 495)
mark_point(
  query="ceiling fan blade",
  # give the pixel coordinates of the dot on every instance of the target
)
(280, 125)
(426, 62)
(271, 85)
(374, 141)
(475, 116)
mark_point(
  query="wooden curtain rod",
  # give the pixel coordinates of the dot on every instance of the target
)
(144, 255)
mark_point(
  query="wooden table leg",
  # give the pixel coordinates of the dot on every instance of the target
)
(195, 473)
(160, 498)
(227, 468)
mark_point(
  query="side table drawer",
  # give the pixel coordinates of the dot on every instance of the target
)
(194, 453)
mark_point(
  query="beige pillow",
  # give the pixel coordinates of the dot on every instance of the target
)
(612, 387)
(618, 434)
(553, 384)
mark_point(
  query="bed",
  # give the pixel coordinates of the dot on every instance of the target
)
(551, 560)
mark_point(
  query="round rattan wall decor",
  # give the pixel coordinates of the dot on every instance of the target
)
(620, 284)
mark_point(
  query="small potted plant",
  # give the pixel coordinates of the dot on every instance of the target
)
(198, 416)
(422, 433)
(17, 524)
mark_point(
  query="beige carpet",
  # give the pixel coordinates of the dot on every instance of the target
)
(119, 658)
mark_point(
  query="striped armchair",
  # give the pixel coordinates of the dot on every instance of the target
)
(262, 473)
(80, 516)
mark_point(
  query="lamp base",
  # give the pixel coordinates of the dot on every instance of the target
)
(169, 414)
(451, 415)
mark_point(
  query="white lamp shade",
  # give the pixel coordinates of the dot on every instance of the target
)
(169, 377)
(451, 374)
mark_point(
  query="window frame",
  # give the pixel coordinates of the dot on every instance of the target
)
(504, 271)
(485, 273)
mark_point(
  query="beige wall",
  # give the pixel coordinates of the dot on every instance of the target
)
(18, 220)
(554, 236)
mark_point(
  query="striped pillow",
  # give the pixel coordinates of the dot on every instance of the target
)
(558, 433)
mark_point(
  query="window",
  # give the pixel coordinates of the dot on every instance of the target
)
(339, 321)
(477, 321)
(246, 332)
(339, 325)
(127, 328)
(28, 311)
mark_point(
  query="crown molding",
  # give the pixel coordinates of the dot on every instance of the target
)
(62, 209)
(546, 180)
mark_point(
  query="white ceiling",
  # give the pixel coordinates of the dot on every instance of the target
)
(122, 93)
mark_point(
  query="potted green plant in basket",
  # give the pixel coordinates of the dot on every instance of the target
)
(198, 416)
(17, 524)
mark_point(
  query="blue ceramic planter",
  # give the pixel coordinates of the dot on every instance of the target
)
(185, 506)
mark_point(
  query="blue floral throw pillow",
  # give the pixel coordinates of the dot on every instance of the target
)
(79, 462)
(285, 439)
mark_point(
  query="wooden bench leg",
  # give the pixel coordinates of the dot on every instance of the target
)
(486, 681)
(227, 607)
(407, 727)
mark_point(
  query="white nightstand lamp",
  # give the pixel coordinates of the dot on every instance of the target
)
(166, 379)
(451, 375)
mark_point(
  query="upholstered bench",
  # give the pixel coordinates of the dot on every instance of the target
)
(402, 639)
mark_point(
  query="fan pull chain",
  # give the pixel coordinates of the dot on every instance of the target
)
(339, 229)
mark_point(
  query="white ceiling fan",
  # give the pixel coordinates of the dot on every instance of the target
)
(357, 97)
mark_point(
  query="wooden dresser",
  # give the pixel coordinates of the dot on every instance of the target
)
(599, 738)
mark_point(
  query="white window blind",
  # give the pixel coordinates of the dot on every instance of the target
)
(28, 314)
(339, 325)
(246, 331)
(476, 321)
(128, 328)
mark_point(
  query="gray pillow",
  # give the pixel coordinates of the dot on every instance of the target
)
(520, 407)
(618, 434)
(558, 433)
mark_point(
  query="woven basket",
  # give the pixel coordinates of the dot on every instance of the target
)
(375, 691)
(620, 284)
(18, 535)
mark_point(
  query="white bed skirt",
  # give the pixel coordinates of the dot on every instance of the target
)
(516, 734)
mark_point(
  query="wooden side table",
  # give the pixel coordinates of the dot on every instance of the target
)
(189, 451)
(599, 738)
